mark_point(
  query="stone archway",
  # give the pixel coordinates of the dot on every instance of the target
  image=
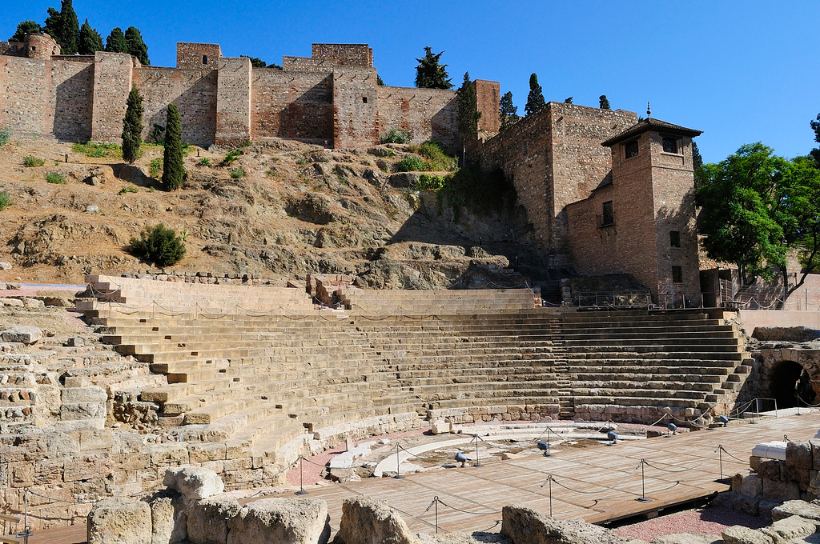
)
(792, 376)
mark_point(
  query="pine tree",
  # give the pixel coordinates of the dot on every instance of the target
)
(815, 125)
(535, 100)
(25, 28)
(568, 100)
(115, 42)
(603, 102)
(64, 27)
(90, 40)
(132, 127)
(430, 73)
(256, 62)
(379, 80)
(136, 46)
(697, 165)
(507, 111)
(173, 166)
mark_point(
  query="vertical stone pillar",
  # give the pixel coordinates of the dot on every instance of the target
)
(113, 75)
(233, 101)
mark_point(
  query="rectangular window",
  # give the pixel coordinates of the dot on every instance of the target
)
(364, 100)
(677, 274)
(670, 144)
(631, 149)
(204, 59)
(608, 214)
(674, 238)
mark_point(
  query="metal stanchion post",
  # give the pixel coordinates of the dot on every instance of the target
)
(549, 482)
(643, 498)
(301, 477)
(477, 461)
(398, 463)
(435, 508)
(720, 460)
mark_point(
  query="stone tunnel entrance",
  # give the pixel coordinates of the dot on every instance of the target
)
(791, 386)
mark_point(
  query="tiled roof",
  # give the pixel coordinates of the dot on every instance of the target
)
(651, 124)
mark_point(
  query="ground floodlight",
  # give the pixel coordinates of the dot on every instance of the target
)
(613, 437)
(461, 458)
(545, 447)
(672, 427)
(724, 420)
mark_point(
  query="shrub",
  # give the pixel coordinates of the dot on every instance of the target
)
(5, 135)
(204, 161)
(381, 152)
(158, 245)
(427, 182)
(437, 159)
(155, 167)
(396, 136)
(56, 178)
(238, 173)
(231, 157)
(157, 134)
(127, 189)
(5, 200)
(411, 163)
(31, 161)
(97, 149)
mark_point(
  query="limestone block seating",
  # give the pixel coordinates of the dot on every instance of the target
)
(634, 365)
(418, 302)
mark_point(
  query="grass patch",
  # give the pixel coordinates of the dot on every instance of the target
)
(395, 136)
(5, 200)
(31, 161)
(231, 157)
(98, 150)
(411, 163)
(127, 189)
(55, 178)
(155, 168)
(5, 136)
(437, 159)
(238, 173)
(428, 182)
(204, 161)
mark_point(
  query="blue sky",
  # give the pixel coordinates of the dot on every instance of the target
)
(741, 71)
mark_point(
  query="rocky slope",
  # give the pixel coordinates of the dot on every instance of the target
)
(279, 211)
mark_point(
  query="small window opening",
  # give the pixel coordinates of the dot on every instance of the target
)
(608, 214)
(204, 59)
(364, 99)
(674, 238)
(677, 274)
(631, 149)
(670, 144)
(34, 48)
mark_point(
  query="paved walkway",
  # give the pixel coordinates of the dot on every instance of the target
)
(596, 483)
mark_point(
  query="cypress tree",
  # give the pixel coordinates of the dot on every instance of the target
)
(430, 73)
(173, 167)
(115, 42)
(136, 46)
(468, 114)
(507, 111)
(535, 100)
(90, 40)
(568, 100)
(23, 29)
(64, 27)
(132, 127)
(603, 102)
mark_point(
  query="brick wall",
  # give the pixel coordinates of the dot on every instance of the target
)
(292, 105)
(194, 93)
(426, 114)
(233, 102)
(355, 107)
(113, 73)
(198, 56)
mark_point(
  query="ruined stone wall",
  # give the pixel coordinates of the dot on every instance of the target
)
(425, 114)
(233, 102)
(355, 108)
(113, 74)
(193, 92)
(292, 105)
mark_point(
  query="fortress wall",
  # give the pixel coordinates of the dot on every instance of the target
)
(291, 105)
(344, 54)
(488, 96)
(306, 64)
(426, 114)
(25, 94)
(233, 102)
(193, 92)
(113, 74)
(73, 93)
(355, 108)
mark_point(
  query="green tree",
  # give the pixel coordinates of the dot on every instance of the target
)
(535, 100)
(815, 125)
(697, 164)
(430, 73)
(136, 46)
(603, 102)
(25, 28)
(173, 165)
(159, 245)
(90, 40)
(256, 62)
(507, 111)
(115, 42)
(758, 207)
(132, 127)
(468, 114)
(379, 80)
(568, 100)
(64, 27)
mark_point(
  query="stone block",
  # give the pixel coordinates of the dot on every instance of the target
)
(799, 455)
(22, 334)
(780, 490)
(440, 426)
(84, 395)
(193, 482)
(370, 521)
(168, 520)
(285, 521)
(789, 529)
(807, 510)
(207, 520)
(523, 525)
(118, 521)
(743, 535)
(163, 455)
(770, 470)
(752, 486)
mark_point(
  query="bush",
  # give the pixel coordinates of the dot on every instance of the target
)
(437, 159)
(158, 245)
(98, 149)
(238, 173)
(127, 189)
(396, 136)
(204, 161)
(56, 178)
(231, 157)
(5, 135)
(411, 163)
(31, 161)
(5, 200)
(427, 182)
(155, 168)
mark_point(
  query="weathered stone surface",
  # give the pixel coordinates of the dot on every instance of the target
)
(168, 520)
(751, 486)
(118, 521)
(798, 455)
(285, 521)
(789, 528)
(207, 520)
(686, 538)
(193, 482)
(743, 535)
(526, 526)
(807, 510)
(23, 334)
(5, 265)
(370, 521)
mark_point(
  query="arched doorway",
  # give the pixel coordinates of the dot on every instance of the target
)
(791, 386)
